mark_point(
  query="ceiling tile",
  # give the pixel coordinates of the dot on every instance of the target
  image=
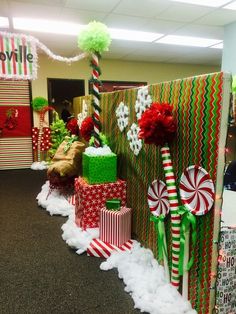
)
(184, 12)
(81, 17)
(197, 30)
(147, 8)
(219, 17)
(161, 26)
(91, 5)
(125, 21)
(20, 9)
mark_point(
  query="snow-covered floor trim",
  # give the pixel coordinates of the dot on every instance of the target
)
(144, 278)
(145, 281)
(53, 202)
(39, 165)
(75, 237)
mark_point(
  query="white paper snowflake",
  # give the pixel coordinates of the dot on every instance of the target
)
(135, 143)
(122, 114)
(143, 101)
(82, 115)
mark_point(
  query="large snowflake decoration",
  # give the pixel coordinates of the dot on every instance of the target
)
(122, 114)
(82, 115)
(135, 143)
(143, 101)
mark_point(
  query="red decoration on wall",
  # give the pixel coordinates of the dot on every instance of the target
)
(15, 121)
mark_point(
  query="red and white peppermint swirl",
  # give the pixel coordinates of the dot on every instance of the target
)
(158, 198)
(197, 190)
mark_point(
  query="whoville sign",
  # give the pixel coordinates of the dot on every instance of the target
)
(18, 57)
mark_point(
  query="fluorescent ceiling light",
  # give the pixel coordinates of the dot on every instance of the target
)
(124, 34)
(188, 41)
(208, 3)
(46, 26)
(231, 6)
(4, 22)
(218, 46)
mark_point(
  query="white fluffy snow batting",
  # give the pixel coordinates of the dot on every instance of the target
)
(77, 238)
(53, 202)
(145, 281)
(39, 165)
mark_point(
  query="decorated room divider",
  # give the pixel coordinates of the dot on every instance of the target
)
(15, 125)
(200, 108)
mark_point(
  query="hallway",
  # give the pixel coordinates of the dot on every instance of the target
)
(39, 273)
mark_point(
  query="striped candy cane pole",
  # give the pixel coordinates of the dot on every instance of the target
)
(175, 217)
(96, 98)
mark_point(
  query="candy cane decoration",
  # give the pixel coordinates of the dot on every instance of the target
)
(175, 217)
(96, 98)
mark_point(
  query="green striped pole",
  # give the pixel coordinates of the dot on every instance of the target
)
(175, 217)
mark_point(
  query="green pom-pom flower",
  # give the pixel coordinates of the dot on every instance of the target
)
(38, 103)
(94, 38)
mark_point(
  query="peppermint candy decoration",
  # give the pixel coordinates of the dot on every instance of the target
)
(197, 190)
(158, 198)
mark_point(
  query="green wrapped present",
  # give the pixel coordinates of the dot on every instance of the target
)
(99, 169)
(113, 204)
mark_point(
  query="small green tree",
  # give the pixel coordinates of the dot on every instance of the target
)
(58, 134)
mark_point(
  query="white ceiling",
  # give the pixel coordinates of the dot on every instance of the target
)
(159, 16)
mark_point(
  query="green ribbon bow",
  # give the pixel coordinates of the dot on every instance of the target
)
(69, 143)
(188, 221)
(159, 227)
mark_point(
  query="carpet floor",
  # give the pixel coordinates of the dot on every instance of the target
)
(39, 273)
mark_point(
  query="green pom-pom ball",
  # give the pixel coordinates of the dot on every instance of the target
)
(94, 38)
(38, 103)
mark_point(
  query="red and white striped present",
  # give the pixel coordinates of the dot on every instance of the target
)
(99, 248)
(115, 226)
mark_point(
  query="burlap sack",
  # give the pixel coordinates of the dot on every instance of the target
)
(69, 163)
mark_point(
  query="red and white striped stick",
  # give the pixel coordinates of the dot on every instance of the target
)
(96, 100)
(175, 217)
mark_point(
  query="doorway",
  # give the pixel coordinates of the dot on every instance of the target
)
(63, 89)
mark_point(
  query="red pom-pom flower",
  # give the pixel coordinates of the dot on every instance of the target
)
(72, 126)
(157, 125)
(86, 129)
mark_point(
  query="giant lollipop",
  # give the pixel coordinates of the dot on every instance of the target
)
(197, 195)
(158, 127)
(159, 207)
(95, 39)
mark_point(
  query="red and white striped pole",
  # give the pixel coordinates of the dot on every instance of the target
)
(175, 217)
(96, 98)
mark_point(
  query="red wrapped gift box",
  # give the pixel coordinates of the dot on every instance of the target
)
(98, 248)
(91, 198)
(115, 226)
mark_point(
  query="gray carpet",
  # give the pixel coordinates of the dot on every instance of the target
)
(39, 273)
